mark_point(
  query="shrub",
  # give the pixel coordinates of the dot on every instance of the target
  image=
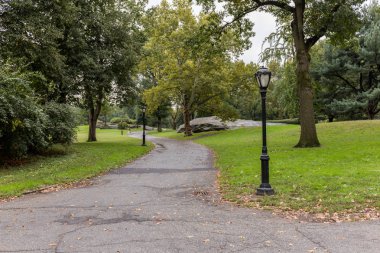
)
(61, 123)
(25, 125)
(22, 130)
(22, 120)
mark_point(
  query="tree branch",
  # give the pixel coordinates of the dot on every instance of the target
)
(347, 82)
(278, 4)
(259, 4)
(202, 102)
(322, 31)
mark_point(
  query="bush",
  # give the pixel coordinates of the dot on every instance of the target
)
(21, 119)
(25, 125)
(22, 126)
(61, 123)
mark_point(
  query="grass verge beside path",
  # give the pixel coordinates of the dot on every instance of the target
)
(340, 177)
(80, 161)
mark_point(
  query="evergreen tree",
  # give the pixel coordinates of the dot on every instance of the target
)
(350, 77)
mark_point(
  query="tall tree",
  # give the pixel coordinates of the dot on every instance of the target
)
(104, 46)
(310, 21)
(190, 69)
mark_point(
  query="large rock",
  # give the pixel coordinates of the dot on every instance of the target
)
(242, 123)
(239, 123)
(215, 124)
(205, 124)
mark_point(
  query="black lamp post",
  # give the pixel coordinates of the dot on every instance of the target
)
(144, 123)
(263, 77)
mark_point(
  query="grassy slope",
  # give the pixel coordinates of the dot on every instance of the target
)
(81, 160)
(341, 176)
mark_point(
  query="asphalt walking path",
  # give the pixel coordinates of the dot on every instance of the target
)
(165, 202)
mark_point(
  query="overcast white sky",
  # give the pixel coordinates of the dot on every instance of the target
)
(264, 25)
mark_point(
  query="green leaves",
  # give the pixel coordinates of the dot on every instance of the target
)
(25, 125)
(349, 76)
(187, 63)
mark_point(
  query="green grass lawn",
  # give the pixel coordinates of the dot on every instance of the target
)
(80, 161)
(343, 175)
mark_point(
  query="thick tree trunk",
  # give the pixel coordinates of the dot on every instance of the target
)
(92, 126)
(308, 136)
(159, 124)
(92, 120)
(371, 114)
(187, 118)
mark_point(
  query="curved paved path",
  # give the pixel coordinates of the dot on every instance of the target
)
(150, 206)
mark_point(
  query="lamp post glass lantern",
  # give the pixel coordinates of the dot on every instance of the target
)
(143, 108)
(263, 77)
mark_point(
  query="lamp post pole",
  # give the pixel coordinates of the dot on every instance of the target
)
(144, 123)
(263, 77)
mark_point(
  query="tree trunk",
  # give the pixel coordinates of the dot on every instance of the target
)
(92, 126)
(92, 120)
(372, 109)
(187, 117)
(308, 136)
(159, 124)
(62, 99)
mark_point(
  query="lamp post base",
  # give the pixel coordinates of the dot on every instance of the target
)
(265, 190)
